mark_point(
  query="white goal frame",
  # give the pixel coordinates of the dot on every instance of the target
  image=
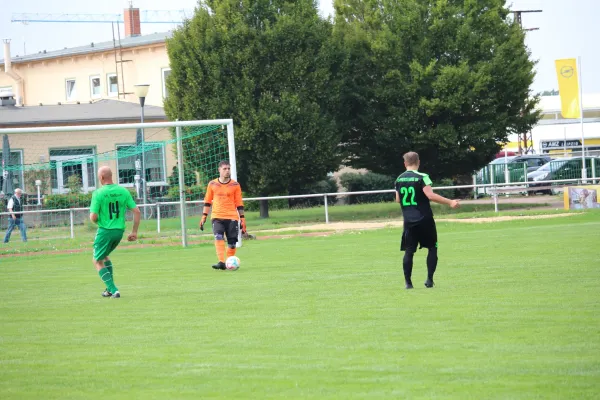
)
(149, 125)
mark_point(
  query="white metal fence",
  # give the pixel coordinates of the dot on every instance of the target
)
(159, 213)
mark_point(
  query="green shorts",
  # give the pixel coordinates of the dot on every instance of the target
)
(106, 241)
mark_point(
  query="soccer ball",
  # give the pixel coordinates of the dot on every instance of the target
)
(232, 263)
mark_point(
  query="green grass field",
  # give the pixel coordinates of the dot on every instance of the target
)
(514, 315)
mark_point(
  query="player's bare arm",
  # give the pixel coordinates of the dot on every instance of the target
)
(397, 197)
(437, 198)
(136, 224)
(94, 218)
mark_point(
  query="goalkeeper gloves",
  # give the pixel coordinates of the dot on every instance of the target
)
(203, 221)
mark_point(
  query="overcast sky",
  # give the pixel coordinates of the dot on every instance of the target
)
(567, 29)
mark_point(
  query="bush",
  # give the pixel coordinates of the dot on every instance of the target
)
(189, 177)
(195, 192)
(70, 200)
(74, 184)
(42, 175)
(133, 192)
(354, 182)
(327, 185)
(449, 193)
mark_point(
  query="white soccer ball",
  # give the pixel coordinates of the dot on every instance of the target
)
(232, 263)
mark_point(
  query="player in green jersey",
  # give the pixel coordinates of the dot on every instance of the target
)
(109, 206)
(413, 192)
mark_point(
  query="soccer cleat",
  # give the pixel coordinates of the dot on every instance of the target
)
(429, 283)
(219, 265)
(409, 285)
(106, 293)
(116, 295)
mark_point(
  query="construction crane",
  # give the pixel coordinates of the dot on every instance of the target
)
(146, 17)
(518, 19)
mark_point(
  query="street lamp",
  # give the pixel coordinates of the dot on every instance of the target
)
(38, 183)
(141, 91)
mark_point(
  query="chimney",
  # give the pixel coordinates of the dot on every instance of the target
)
(132, 21)
(20, 92)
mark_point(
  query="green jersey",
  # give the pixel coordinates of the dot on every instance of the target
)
(111, 202)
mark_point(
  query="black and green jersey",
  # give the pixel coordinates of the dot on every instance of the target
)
(415, 205)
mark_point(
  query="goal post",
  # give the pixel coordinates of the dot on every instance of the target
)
(61, 163)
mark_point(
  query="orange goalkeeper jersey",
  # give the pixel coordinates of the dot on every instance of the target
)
(225, 199)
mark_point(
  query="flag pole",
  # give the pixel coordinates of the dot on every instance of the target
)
(583, 169)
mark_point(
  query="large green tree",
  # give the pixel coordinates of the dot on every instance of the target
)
(270, 66)
(449, 79)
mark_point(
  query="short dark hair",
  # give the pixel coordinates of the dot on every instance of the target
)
(224, 162)
(411, 158)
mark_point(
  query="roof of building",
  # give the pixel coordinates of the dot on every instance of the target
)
(100, 111)
(133, 41)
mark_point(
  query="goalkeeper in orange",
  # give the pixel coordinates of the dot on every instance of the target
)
(224, 195)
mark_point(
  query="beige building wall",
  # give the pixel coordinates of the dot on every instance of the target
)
(45, 81)
(36, 146)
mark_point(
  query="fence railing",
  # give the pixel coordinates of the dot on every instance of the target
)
(520, 172)
(73, 217)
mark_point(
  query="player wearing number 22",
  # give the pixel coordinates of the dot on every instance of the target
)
(224, 195)
(109, 206)
(413, 192)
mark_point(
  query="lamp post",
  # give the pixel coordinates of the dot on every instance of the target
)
(38, 183)
(141, 91)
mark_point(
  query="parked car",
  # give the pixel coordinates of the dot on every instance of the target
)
(562, 168)
(534, 161)
(517, 166)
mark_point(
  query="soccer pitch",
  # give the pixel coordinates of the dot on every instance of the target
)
(514, 314)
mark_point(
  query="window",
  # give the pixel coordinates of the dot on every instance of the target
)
(16, 159)
(165, 74)
(71, 91)
(129, 155)
(112, 85)
(67, 162)
(535, 162)
(95, 88)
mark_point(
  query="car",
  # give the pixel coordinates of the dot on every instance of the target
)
(517, 166)
(534, 161)
(561, 168)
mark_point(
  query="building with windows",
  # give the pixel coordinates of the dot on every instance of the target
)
(81, 153)
(97, 71)
(87, 85)
(557, 136)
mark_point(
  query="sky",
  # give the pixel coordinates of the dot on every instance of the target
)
(568, 29)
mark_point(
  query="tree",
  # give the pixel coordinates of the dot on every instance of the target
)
(270, 66)
(449, 79)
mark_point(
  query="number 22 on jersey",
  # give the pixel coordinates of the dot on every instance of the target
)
(405, 192)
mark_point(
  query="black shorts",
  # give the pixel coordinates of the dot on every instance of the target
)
(226, 228)
(424, 234)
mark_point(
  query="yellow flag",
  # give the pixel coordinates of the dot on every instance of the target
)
(568, 87)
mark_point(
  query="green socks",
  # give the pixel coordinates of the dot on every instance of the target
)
(108, 264)
(106, 277)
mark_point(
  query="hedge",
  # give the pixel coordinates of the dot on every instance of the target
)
(354, 182)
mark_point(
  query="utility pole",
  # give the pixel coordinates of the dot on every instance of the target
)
(525, 139)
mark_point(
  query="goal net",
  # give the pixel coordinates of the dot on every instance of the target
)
(56, 168)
